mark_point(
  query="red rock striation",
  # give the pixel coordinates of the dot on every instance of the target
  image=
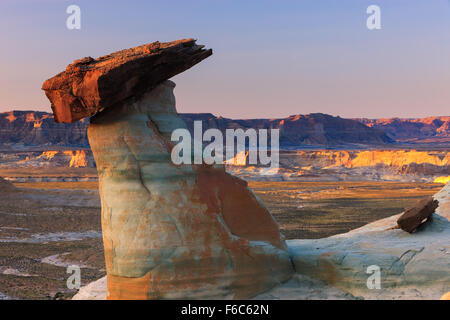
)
(90, 85)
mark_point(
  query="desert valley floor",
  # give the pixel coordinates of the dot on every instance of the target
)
(47, 226)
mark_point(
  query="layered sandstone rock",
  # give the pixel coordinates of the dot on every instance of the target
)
(90, 85)
(177, 231)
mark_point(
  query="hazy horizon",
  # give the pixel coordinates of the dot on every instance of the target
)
(271, 59)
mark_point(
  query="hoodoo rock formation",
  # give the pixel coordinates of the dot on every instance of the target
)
(171, 232)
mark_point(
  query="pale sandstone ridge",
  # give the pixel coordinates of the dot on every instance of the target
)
(412, 266)
(90, 85)
(169, 232)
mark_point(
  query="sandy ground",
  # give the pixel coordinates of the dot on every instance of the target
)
(41, 233)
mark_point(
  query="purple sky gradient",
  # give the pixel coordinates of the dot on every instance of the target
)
(271, 58)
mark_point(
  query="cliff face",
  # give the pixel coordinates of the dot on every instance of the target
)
(312, 129)
(49, 158)
(372, 158)
(372, 165)
(33, 128)
(431, 129)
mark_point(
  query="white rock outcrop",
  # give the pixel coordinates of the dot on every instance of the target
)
(411, 265)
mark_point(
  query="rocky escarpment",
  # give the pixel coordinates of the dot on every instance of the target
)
(357, 165)
(422, 130)
(28, 128)
(301, 130)
(49, 158)
(29, 138)
(33, 128)
(170, 231)
(25, 129)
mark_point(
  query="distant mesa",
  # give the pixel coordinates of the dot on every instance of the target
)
(315, 129)
(35, 128)
(24, 129)
(414, 130)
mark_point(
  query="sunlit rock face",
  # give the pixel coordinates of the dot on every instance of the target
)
(174, 232)
(50, 158)
(356, 165)
(34, 128)
(69, 158)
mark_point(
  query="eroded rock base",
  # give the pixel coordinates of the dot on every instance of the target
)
(174, 232)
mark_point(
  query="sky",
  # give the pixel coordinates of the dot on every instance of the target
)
(271, 59)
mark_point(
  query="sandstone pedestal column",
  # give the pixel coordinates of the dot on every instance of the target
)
(176, 231)
(187, 231)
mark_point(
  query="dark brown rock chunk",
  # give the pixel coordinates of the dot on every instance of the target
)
(418, 214)
(89, 85)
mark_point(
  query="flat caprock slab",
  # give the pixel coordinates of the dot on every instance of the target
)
(90, 85)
